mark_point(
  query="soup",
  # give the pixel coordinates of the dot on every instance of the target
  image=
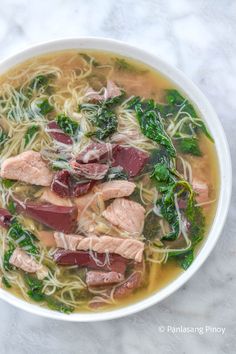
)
(108, 181)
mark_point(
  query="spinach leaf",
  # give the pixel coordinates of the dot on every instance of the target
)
(7, 256)
(57, 305)
(7, 183)
(11, 206)
(88, 59)
(40, 82)
(3, 137)
(151, 125)
(6, 283)
(151, 226)
(185, 259)
(30, 134)
(105, 122)
(121, 64)
(35, 293)
(68, 125)
(44, 107)
(196, 220)
(189, 146)
(116, 173)
(174, 98)
(24, 237)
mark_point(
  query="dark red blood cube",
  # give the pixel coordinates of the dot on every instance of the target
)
(131, 159)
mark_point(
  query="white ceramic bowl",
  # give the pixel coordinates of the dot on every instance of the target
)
(216, 129)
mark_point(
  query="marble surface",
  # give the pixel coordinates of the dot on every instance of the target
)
(199, 38)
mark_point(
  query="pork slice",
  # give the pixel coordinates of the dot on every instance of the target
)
(27, 167)
(57, 133)
(201, 189)
(98, 278)
(57, 217)
(111, 91)
(52, 198)
(126, 247)
(24, 261)
(5, 218)
(88, 259)
(67, 241)
(131, 159)
(94, 171)
(115, 189)
(47, 238)
(133, 282)
(80, 189)
(95, 152)
(127, 215)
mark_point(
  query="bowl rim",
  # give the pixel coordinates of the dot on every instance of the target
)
(223, 153)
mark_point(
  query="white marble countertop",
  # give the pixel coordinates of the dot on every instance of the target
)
(199, 37)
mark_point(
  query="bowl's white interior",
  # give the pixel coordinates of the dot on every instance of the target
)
(223, 156)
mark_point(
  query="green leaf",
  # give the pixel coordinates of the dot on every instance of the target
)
(24, 237)
(88, 59)
(3, 137)
(151, 226)
(121, 64)
(57, 305)
(6, 283)
(116, 173)
(32, 282)
(11, 207)
(30, 134)
(7, 183)
(68, 125)
(152, 126)
(189, 146)
(44, 107)
(105, 122)
(7, 256)
(186, 259)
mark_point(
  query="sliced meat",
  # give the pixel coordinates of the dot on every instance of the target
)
(111, 91)
(5, 218)
(68, 242)
(60, 218)
(56, 133)
(65, 185)
(125, 247)
(61, 184)
(201, 189)
(111, 262)
(131, 159)
(47, 238)
(133, 282)
(52, 198)
(94, 171)
(95, 152)
(27, 167)
(87, 200)
(127, 215)
(98, 278)
(24, 261)
(115, 189)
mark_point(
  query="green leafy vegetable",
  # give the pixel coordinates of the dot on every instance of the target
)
(68, 125)
(24, 237)
(6, 283)
(189, 146)
(151, 226)
(3, 137)
(44, 107)
(11, 207)
(30, 134)
(7, 256)
(105, 122)
(35, 293)
(185, 259)
(123, 65)
(88, 59)
(151, 124)
(40, 82)
(57, 305)
(7, 183)
(116, 173)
